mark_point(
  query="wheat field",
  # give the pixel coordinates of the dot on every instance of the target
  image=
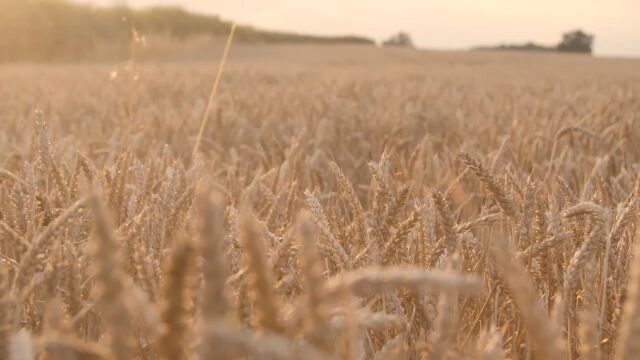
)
(344, 203)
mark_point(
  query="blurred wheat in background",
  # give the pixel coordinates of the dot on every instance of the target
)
(344, 202)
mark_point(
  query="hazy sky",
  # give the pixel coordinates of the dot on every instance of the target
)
(445, 24)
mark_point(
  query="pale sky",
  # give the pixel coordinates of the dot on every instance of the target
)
(436, 24)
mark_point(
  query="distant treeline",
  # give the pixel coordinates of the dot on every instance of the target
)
(576, 41)
(44, 30)
(524, 47)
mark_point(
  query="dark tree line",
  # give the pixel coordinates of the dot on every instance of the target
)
(576, 41)
(44, 30)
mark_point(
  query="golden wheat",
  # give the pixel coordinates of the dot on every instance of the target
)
(321, 209)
